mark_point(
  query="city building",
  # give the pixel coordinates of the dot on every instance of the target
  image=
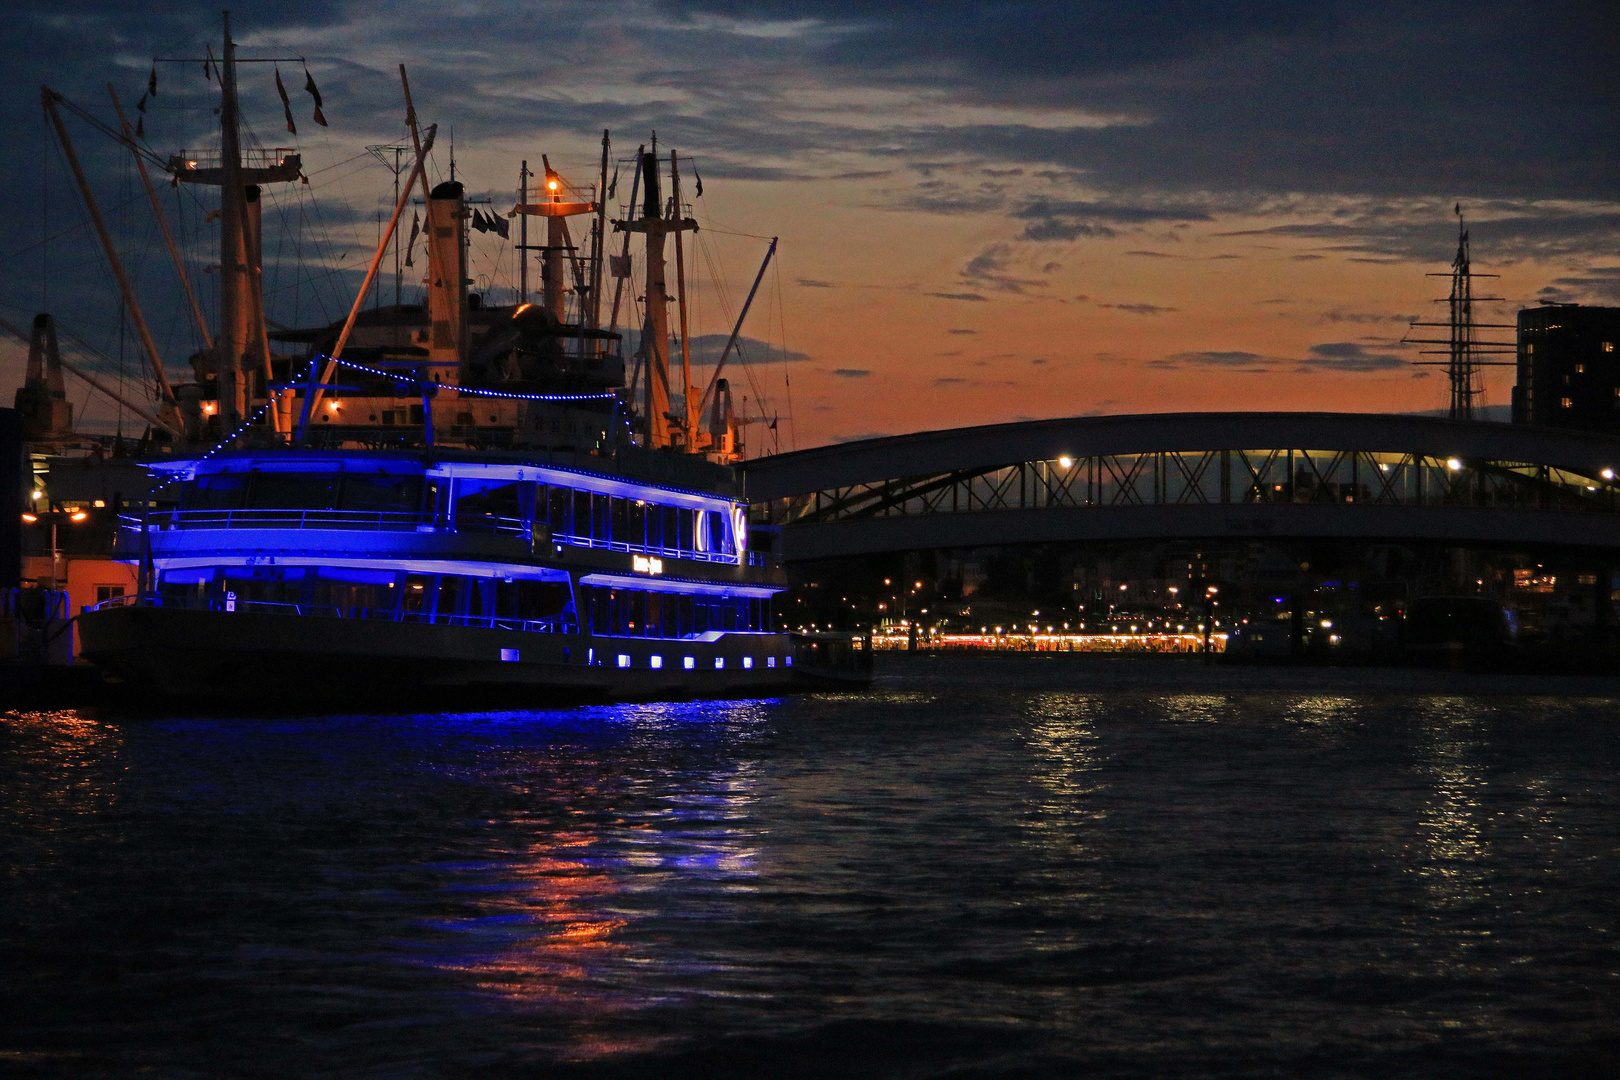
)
(1569, 373)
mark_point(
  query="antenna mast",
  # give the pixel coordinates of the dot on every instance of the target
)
(1464, 352)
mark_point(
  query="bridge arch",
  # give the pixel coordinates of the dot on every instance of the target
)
(1195, 476)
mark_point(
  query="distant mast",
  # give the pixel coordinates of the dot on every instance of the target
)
(1463, 350)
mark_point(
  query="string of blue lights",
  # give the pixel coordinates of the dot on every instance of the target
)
(608, 396)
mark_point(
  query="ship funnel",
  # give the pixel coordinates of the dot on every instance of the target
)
(447, 275)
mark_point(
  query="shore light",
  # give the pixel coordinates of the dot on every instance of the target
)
(1607, 474)
(1453, 464)
(1066, 461)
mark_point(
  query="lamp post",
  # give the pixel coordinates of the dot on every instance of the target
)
(55, 517)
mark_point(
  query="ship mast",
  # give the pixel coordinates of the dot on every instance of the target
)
(233, 283)
(1465, 353)
(655, 224)
(242, 339)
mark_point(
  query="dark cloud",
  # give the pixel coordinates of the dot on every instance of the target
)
(1363, 317)
(812, 283)
(1068, 219)
(1234, 361)
(1342, 356)
(851, 372)
(1349, 356)
(958, 296)
(1504, 231)
(1600, 283)
(988, 269)
(706, 349)
(1140, 309)
(961, 331)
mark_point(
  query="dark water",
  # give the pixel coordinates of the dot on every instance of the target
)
(984, 867)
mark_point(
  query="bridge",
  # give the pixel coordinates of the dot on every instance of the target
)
(1259, 475)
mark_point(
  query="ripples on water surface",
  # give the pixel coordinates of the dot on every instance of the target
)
(983, 867)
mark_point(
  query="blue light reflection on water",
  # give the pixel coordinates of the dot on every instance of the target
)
(1016, 866)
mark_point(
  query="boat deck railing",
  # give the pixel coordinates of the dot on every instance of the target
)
(556, 625)
(410, 522)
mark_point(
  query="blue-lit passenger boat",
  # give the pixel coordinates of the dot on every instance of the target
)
(363, 573)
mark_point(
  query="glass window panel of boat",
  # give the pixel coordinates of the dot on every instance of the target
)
(580, 523)
(655, 526)
(493, 502)
(480, 598)
(292, 490)
(687, 529)
(216, 491)
(719, 534)
(452, 592)
(561, 501)
(619, 511)
(419, 593)
(381, 493)
(540, 599)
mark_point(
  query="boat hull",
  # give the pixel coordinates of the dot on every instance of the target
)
(247, 659)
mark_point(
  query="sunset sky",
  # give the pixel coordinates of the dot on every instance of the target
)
(987, 211)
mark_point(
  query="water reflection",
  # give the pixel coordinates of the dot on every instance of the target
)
(1061, 738)
(63, 765)
(1321, 710)
(1450, 742)
(606, 837)
(1194, 708)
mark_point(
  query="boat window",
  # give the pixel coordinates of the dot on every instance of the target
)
(493, 501)
(379, 492)
(580, 523)
(419, 594)
(292, 491)
(215, 491)
(561, 502)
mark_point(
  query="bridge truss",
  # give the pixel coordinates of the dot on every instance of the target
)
(1345, 478)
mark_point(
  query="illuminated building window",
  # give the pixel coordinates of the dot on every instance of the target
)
(719, 662)
(1608, 346)
(770, 661)
(688, 662)
(655, 662)
(1564, 402)
(510, 656)
(748, 661)
(1580, 369)
(624, 660)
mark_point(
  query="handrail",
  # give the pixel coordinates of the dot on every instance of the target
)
(403, 521)
(556, 625)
